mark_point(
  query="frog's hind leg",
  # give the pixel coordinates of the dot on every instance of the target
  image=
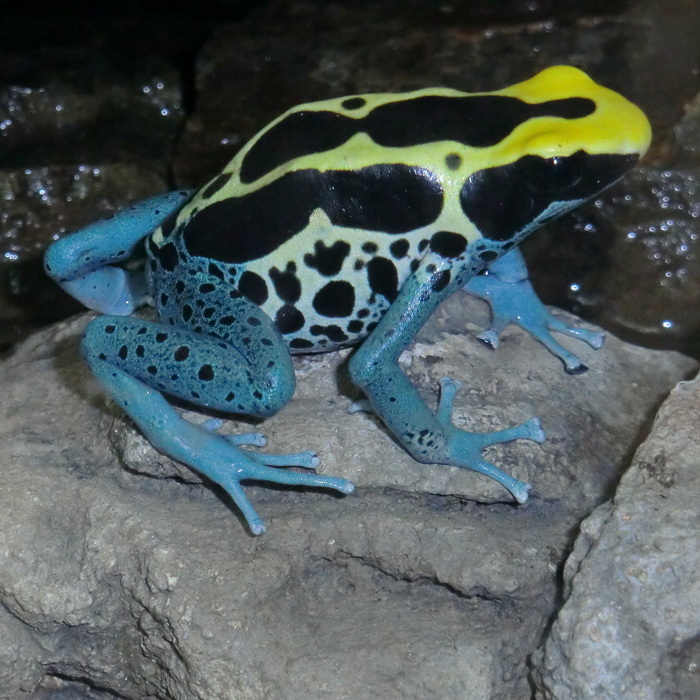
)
(249, 372)
(82, 264)
(507, 289)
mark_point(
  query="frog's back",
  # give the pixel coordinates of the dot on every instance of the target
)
(322, 216)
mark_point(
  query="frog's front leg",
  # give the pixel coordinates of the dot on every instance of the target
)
(250, 371)
(507, 289)
(82, 264)
(430, 437)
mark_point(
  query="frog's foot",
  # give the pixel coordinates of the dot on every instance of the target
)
(464, 449)
(539, 329)
(222, 461)
(512, 299)
(245, 465)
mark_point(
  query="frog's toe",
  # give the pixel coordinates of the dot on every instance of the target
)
(307, 459)
(211, 424)
(489, 337)
(521, 491)
(254, 439)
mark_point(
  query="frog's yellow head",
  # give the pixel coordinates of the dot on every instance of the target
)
(579, 139)
(602, 121)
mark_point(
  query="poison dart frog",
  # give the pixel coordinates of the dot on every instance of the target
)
(342, 222)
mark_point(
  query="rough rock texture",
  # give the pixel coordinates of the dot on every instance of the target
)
(428, 581)
(630, 628)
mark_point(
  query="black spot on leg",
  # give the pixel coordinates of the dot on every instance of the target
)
(441, 280)
(216, 271)
(123, 351)
(353, 103)
(182, 353)
(206, 373)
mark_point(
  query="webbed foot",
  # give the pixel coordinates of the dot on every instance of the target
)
(220, 459)
(507, 290)
(464, 448)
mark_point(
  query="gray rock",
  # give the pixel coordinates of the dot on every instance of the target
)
(427, 581)
(630, 626)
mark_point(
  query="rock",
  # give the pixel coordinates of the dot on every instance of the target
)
(630, 626)
(427, 581)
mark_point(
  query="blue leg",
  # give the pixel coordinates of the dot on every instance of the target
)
(136, 360)
(81, 264)
(512, 299)
(429, 437)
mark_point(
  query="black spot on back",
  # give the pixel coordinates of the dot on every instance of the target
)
(353, 103)
(383, 278)
(213, 187)
(289, 319)
(477, 121)
(448, 244)
(327, 260)
(391, 198)
(253, 287)
(286, 284)
(167, 255)
(453, 161)
(399, 248)
(335, 299)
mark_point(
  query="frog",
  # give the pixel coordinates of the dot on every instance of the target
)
(343, 222)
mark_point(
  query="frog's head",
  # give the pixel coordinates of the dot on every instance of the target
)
(550, 164)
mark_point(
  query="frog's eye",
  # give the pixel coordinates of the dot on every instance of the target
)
(559, 177)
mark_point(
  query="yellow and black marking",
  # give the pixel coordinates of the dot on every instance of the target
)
(324, 214)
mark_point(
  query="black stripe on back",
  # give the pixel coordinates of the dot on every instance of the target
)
(391, 198)
(479, 121)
